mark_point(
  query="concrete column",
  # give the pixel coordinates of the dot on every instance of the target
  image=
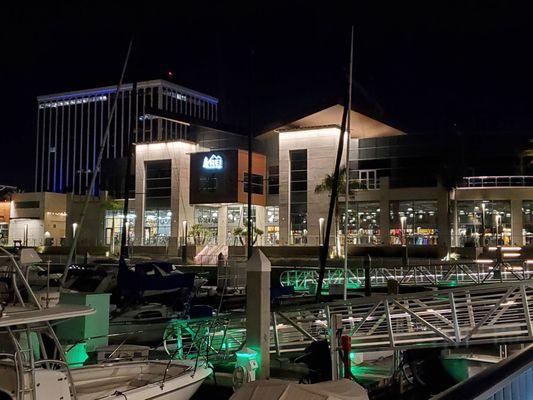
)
(455, 238)
(516, 222)
(175, 225)
(384, 210)
(443, 223)
(222, 225)
(260, 218)
(139, 203)
(258, 309)
(186, 211)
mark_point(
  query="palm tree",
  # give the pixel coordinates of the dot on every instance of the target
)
(326, 186)
(199, 234)
(242, 233)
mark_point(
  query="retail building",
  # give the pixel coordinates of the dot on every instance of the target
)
(191, 179)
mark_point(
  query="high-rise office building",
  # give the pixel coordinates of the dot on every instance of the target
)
(71, 127)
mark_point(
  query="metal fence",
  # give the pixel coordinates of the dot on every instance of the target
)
(456, 317)
(497, 181)
(431, 274)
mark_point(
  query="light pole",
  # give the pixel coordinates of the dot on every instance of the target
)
(321, 222)
(483, 224)
(402, 224)
(74, 227)
(498, 221)
(184, 246)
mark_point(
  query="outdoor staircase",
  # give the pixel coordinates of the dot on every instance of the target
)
(209, 254)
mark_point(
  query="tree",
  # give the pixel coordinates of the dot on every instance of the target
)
(242, 233)
(199, 234)
(326, 186)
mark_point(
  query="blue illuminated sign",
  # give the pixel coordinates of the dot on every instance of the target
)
(213, 163)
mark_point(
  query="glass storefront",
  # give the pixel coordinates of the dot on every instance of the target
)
(483, 223)
(207, 218)
(363, 222)
(157, 227)
(4, 233)
(157, 214)
(413, 222)
(237, 222)
(113, 227)
(272, 226)
(527, 221)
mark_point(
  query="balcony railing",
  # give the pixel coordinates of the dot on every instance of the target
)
(497, 181)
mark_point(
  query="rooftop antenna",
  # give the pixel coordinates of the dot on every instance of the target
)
(96, 169)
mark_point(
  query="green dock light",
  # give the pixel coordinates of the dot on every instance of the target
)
(76, 355)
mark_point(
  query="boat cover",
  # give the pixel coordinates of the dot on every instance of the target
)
(147, 276)
(277, 389)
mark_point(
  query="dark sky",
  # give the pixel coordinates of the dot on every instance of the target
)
(421, 66)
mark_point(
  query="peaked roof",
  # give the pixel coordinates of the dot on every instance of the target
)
(362, 126)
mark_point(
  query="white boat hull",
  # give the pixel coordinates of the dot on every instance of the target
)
(141, 380)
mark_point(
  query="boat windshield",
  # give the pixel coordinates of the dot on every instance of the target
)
(87, 283)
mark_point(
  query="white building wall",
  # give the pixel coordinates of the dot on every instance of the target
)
(33, 227)
(48, 218)
(321, 146)
(178, 152)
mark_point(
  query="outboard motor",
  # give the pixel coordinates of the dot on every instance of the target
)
(318, 359)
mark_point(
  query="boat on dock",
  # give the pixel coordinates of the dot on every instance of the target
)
(33, 363)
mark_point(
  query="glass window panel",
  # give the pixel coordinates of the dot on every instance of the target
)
(483, 223)
(413, 222)
(363, 222)
(298, 197)
(527, 222)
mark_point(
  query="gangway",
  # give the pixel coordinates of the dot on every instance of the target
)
(443, 273)
(460, 316)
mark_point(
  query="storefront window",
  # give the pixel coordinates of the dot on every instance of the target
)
(484, 223)
(207, 218)
(234, 215)
(272, 226)
(527, 220)
(113, 227)
(413, 222)
(206, 215)
(237, 221)
(157, 227)
(363, 222)
(4, 233)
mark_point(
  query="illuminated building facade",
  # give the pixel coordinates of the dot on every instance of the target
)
(71, 126)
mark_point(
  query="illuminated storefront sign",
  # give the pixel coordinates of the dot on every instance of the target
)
(213, 163)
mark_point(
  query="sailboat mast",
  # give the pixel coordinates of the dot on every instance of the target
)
(96, 169)
(347, 176)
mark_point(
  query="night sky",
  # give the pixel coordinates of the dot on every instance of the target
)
(424, 67)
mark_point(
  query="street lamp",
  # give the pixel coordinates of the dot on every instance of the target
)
(184, 223)
(321, 231)
(74, 227)
(498, 222)
(127, 233)
(402, 224)
(483, 205)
